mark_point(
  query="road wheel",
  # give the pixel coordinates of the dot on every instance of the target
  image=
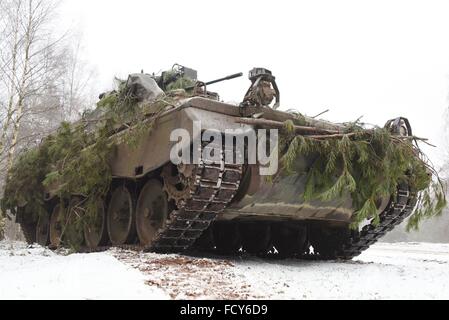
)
(29, 232)
(151, 211)
(56, 225)
(73, 233)
(95, 226)
(43, 230)
(27, 224)
(121, 217)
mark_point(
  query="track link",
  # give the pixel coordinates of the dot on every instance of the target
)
(214, 187)
(188, 223)
(395, 213)
(400, 207)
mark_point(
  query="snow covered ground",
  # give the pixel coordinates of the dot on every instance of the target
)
(38, 273)
(385, 271)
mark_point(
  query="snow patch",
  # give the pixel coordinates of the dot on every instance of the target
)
(38, 273)
(385, 271)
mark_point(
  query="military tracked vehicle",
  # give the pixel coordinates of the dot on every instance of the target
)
(214, 205)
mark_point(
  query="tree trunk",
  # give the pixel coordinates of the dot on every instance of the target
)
(22, 88)
(12, 77)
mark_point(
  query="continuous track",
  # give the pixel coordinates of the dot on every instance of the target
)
(214, 187)
(395, 213)
(211, 191)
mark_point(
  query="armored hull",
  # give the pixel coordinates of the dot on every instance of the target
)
(220, 206)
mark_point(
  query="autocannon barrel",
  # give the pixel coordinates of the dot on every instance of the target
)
(233, 76)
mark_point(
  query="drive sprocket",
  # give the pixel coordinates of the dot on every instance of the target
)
(179, 182)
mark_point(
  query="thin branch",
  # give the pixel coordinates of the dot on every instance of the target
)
(281, 125)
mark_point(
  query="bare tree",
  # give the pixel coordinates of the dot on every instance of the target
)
(77, 81)
(33, 62)
(43, 79)
(11, 45)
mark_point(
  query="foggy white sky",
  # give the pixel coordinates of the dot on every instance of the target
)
(379, 59)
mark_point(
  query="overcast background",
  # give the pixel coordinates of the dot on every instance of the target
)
(376, 59)
(379, 59)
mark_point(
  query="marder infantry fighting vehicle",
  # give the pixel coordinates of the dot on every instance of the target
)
(214, 204)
